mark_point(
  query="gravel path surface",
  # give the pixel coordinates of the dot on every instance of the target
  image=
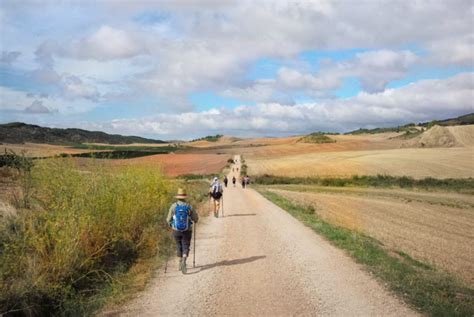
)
(259, 261)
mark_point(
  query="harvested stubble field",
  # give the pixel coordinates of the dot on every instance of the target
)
(180, 164)
(415, 162)
(433, 227)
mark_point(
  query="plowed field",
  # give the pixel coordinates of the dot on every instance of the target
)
(180, 164)
(436, 228)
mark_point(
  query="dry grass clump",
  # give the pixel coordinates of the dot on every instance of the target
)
(80, 231)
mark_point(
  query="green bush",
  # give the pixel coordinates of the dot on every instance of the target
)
(83, 228)
(17, 161)
(317, 137)
(209, 138)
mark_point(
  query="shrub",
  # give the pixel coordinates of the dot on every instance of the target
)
(17, 161)
(82, 228)
(317, 137)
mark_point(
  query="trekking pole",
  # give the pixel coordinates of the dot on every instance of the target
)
(194, 245)
(167, 257)
(222, 206)
(209, 202)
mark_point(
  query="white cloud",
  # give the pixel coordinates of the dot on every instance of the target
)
(421, 101)
(374, 68)
(9, 57)
(377, 68)
(107, 43)
(291, 78)
(15, 101)
(456, 50)
(74, 87)
(37, 107)
(208, 46)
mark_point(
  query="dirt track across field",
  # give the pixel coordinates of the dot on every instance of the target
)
(259, 261)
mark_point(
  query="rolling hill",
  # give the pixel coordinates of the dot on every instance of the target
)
(411, 127)
(18, 132)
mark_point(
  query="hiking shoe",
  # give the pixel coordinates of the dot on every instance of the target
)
(180, 265)
(184, 269)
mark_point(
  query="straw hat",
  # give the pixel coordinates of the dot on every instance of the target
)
(181, 194)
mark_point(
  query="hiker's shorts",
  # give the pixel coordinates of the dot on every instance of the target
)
(183, 242)
(216, 196)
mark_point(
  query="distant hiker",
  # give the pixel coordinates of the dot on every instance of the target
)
(225, 181)
(181, 218)
(243, 182)
(233, 180)
(215, 192)
(247, 180)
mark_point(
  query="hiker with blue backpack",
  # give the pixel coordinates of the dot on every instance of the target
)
(181, 217)
(215, 193)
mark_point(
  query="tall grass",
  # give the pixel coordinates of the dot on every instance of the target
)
(83, 228)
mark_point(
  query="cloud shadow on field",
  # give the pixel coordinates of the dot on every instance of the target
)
(228, 263)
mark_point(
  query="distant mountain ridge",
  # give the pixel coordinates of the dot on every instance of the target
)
(18, 132)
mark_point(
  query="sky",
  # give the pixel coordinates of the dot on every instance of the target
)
(186, 69)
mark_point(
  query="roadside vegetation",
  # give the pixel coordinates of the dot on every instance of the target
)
(431, 291)
(317, 137)
(81, 236)
(192, 177)
(463, 185)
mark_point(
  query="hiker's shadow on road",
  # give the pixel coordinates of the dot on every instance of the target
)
(240, 215)
(227, 263)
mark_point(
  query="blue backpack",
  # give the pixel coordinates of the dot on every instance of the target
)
(181, 219)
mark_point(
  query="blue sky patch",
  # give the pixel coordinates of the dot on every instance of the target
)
(264, 68)
(428, 73)
(350, 88)
(22, 81)
(208, 100)
(150, 18)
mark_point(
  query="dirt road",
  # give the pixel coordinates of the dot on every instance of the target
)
(259, 261)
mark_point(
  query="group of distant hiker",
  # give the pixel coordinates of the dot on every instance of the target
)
(182, 217)
(245, 181)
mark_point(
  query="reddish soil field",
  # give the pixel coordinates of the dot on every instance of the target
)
(180, 164)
